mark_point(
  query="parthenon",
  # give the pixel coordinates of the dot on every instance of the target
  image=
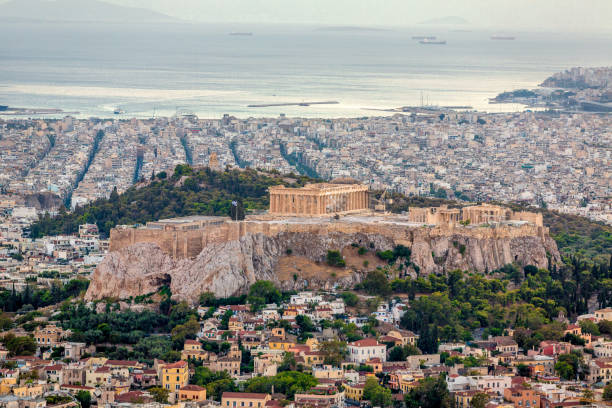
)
(318, 199)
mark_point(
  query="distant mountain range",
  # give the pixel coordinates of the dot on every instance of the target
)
(448, 20)
(77, 11)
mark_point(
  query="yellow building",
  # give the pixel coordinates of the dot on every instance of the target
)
(313, 344)
(29, 391)
(278, 332)
(192, 349)
(354, 392)
(463, 399)
(405, 336)
(6, 384)
(312, 358)
(244, 400)
(235, 324)
(175, 376)
(280, 344)
(97, 376)
(192, 392)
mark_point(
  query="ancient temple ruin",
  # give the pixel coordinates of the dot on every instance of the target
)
(318, 199)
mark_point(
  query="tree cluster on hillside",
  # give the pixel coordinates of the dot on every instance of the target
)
(33, 298)
(452, 307)
(188, 191)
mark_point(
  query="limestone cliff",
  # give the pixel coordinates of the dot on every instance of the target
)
(229, 267)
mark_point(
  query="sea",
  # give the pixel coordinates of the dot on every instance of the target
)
(145, 70)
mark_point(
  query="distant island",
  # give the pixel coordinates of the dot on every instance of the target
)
(78, 11)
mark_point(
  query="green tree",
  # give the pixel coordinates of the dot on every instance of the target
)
(376, 283)
(334, 258)
(334, 352)
(263, 292)
(216, 388)
(607, 392)
(479, 400)
(84, 398)
(288, 363)
(430, 393)
(523, 370)
(188, 330)
(287, 382)
(159, 394)
(305, 323)
(589, 326)
(208, 299)
(399, 353)
(350, 298)
(567, 365)
(396, 354)
(378, 395)
(19, 346)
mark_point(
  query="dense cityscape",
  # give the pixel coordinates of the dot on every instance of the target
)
(241, 204)
(560, 161)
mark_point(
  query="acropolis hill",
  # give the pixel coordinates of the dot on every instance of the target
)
(288, 245)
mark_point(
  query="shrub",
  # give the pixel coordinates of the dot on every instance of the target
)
(334, 258)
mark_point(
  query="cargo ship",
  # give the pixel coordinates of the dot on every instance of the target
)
(118, 111)
(242, 34)
(433, 42)
(424, 37)
(503, 37)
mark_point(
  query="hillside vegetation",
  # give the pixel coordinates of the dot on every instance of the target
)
(188, 191)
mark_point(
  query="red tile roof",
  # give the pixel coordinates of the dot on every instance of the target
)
(192, 387)
(366, 343)
(178, 364)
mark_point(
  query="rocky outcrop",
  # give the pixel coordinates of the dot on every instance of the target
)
(230, 267)
(43, 201)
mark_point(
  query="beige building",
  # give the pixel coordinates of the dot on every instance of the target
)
(475, 214)
(603, 314)
(318, 199)
(49, 335)
(244, 399)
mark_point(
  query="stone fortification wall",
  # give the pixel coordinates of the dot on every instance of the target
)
(189, 243)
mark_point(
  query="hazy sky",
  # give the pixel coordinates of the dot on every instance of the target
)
(573, 15)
